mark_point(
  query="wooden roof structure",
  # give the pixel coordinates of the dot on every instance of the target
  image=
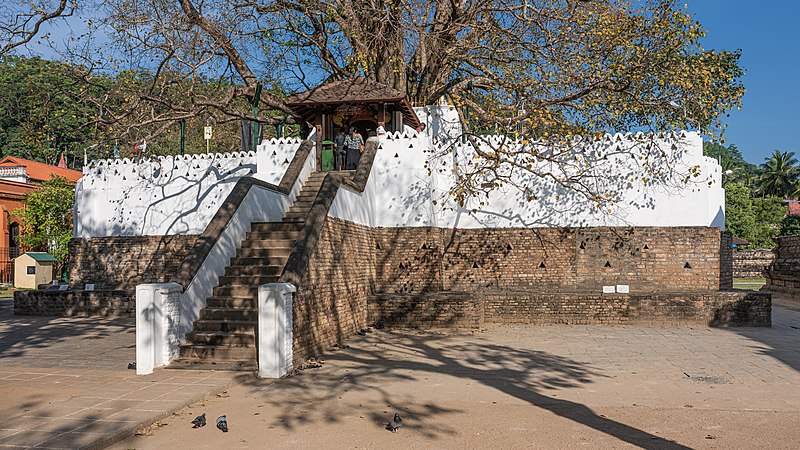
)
(354, 90)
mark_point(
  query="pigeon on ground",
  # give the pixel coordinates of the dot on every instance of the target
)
(222, 423)
(396, 423)
(377, 326)
(361, 333)
(199, 421)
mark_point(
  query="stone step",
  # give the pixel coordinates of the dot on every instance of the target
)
(218, 352)
(306, 196)
(296, 216)
(272, 235)
(268, 243)
(274, 226)
(248, 280)
(262, 254)
(227, 326)
(220, 338)
(239, 291)
(234, 314)
(231, 302)
(252, 270)
(246, 365)
(271, 260)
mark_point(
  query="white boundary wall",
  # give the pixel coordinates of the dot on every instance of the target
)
(169, 195)
(180, 195)
(402, 192)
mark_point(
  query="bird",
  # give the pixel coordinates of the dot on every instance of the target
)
(199, 421)
(361, 333)
(395, 423)
(222, 423)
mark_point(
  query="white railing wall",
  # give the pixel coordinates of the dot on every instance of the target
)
(411, 181)
(169, 195)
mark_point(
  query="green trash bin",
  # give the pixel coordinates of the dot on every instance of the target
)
(327, 156)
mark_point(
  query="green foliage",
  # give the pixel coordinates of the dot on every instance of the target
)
(769, 213)
(790, 225)
(42, 110)
(739, 215)
(756, 220)
(46, 218)
(731, 159)
(779, 174)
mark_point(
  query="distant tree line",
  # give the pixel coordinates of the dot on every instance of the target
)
(49, 108)
(755, 194)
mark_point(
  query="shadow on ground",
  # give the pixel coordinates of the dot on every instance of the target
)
(782, 340)
(19, 335)
(387, 358)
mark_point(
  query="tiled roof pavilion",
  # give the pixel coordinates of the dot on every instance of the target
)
(355, 90)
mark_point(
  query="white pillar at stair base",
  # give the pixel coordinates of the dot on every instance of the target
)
(157, 325)
(275, 330)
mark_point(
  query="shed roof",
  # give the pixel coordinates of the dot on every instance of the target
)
(352, 90)
(41, 256)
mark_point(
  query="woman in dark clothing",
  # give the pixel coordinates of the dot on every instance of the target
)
(355, 144)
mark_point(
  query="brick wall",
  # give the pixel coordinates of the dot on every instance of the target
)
(331, 301)
(75, 303)
(726, 260)
(121, 263)
(427, 310)
(783, 275)
(751, 263)
(649, 259)
(427, 277)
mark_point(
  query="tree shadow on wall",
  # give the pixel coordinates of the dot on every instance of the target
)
(389, 364)
(598, 183)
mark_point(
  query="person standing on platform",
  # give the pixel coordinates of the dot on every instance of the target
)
(380, 131)
(341, 148)
(355, 145)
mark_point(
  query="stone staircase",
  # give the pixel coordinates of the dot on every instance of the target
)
(224, 337)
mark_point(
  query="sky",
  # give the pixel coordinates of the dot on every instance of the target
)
(769, 35)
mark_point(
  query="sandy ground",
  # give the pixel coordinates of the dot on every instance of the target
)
(521, 387)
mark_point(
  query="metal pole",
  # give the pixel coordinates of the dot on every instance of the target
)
(254, 124)
(183, 136)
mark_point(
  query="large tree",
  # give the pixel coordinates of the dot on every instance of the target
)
(22, 21)
(543, 68)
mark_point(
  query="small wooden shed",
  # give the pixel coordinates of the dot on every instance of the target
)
(32, 269)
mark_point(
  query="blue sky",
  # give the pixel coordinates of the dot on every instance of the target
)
(769, 35)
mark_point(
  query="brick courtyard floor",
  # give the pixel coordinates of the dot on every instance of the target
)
(524, 387)
(64, 382)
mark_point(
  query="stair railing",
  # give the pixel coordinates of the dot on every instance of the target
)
(251, 200)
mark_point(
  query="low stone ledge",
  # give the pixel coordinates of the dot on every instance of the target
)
(472, 310)
(713, 308)
(111, 303)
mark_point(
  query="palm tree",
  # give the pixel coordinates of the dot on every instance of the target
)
(779, 175)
